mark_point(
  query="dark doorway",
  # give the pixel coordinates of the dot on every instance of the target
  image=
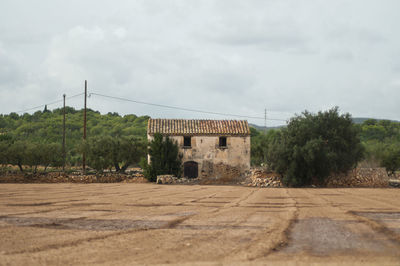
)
(190, 169)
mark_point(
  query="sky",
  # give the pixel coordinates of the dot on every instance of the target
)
(225, 56)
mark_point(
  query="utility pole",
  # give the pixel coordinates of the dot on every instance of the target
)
(63, 143)
(84, 131)
(265, 120)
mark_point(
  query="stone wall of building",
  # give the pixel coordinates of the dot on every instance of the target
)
(222, 172)
(215, 162)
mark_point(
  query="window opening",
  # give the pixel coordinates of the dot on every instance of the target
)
(187, 141)
(222, 142)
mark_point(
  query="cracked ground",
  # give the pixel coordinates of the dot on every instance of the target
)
(125, 224)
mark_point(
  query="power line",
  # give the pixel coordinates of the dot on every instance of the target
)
(58, 101)
(152, 104)
(181, 108)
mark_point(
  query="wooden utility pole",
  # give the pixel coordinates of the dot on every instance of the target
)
(63, 143)
(84, 131)
(265, 120)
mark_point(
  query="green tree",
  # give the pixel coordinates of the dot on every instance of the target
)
(106, 152)
(391, 159)
(131, 151)
(52, 155)
(17, 154)
(100, 152)
(4, 153)
(259, 146)
(33, 155)
(164, 158)
(314, 146)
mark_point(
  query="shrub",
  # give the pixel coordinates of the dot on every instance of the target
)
(314, 146)
(164, 158)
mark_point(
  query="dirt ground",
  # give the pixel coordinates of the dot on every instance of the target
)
(125, 224)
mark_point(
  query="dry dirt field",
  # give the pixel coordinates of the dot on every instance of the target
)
(125, 224)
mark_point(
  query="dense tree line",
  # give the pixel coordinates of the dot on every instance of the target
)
(381, 139)
(22, 153)
(35, 139)
(116, 141)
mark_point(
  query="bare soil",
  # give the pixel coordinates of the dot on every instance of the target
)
(125, 224)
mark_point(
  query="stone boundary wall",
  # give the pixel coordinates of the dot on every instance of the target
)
(360, 177)
(71, 178)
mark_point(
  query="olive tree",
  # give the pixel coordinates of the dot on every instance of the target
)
(391, 159)
(106, 152)
(313, 146)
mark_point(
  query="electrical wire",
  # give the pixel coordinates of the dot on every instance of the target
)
(152, 104)
(182, 108)
(42, 105)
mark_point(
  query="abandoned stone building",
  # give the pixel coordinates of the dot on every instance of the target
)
(214, 149)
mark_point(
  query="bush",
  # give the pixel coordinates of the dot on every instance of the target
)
(164, 158)
(314, 146)
(391, 159)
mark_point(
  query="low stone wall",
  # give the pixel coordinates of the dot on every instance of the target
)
(360, 177)
(71, 178)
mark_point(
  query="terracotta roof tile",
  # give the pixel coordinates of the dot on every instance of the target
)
(198, 127)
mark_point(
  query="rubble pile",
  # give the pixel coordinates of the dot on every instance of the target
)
(394, 182)
(396, 175)
(264, 178)
(360, 177)
(171, 179)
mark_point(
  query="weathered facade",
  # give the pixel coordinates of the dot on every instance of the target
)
(211, 149)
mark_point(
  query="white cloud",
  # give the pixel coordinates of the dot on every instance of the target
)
(223, 56)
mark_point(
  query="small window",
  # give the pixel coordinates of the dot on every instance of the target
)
(187, 141)
(222, 142)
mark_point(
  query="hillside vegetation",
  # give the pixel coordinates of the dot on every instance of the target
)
(35, 139)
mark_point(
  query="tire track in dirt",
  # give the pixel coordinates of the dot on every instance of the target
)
(37, 212)
(167, 225)
(256, 244)
(204, 240)
(375, 201)
(164, 192)
(374, 224)
(283, 238)
(378, 227)
(337, 217)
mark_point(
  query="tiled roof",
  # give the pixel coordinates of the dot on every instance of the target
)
(198, 127)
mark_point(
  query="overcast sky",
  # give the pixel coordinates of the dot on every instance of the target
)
(222, 56)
